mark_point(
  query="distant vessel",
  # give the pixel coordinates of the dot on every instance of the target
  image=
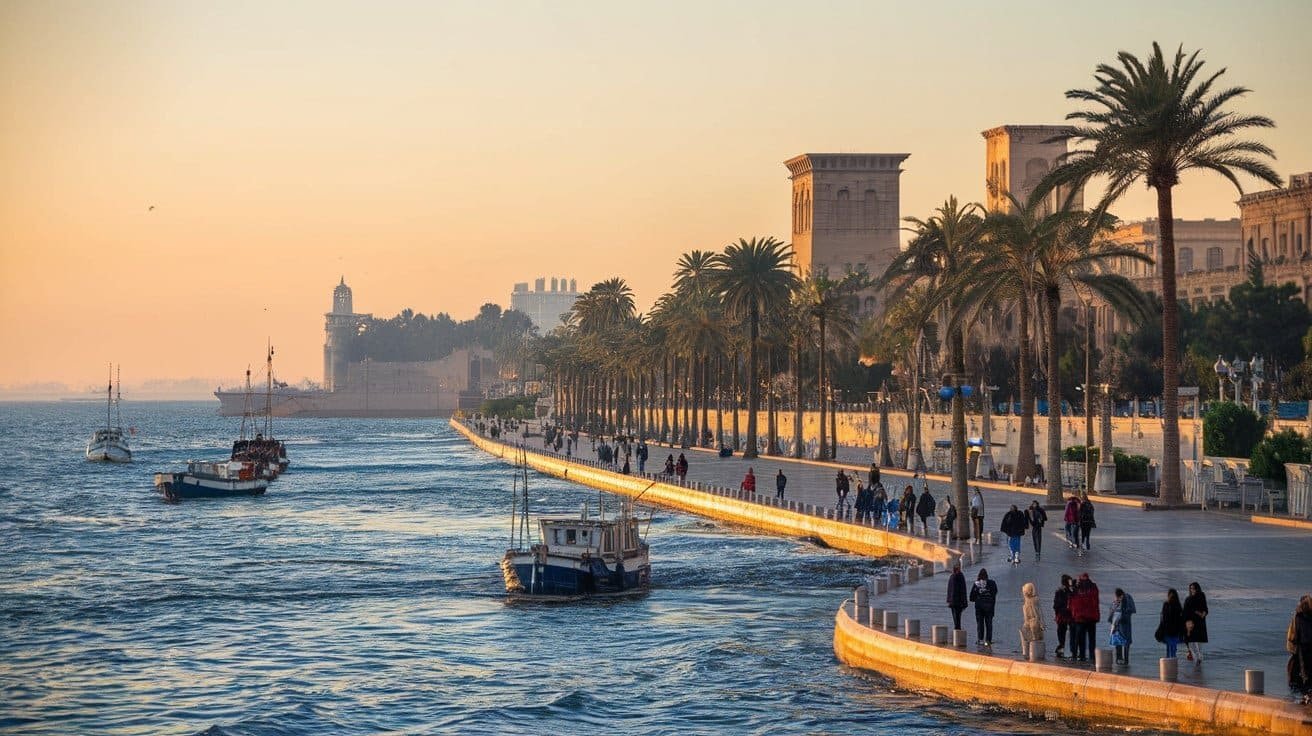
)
(575, 557)
(268, 454)
(110, 444)
(221, 479)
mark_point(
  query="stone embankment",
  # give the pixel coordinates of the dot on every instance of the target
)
(935, 664)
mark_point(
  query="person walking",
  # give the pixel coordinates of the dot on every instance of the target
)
(891, 513)
(1298, 641)
(977, 513)
(1085, 613)
(841, 488)
(1170, 626)
(947, 517)
(908, 509)
(780, 483)
(626, 469)
(925, 509)
(878, 504)
(1087, 522)
(1037, 517)
(863, 501)
(681, 467)
(669, 465)
(873, 479)
(1072, 520)
(749, 482)
(1031, 628)
(1122, 631)
(1014, 526)
(1061, 609)
(643, 453)
(956, 595)
(1195, 623)
(984, 594)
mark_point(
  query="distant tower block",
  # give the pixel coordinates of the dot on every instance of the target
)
(846, 214)
(1016, 158)
(339, 326)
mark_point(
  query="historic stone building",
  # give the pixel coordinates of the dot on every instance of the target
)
(545, 308)
(1277, 226)
(339, 325)
(846, 214)
(1016, 158)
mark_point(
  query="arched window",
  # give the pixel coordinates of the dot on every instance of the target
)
(1185, 261)
(844, 209)
(806, 212)
(1215, 259)
(870, 210)
(1035, 169)
(870, 305)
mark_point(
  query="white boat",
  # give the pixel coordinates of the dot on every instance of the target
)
(110, 444)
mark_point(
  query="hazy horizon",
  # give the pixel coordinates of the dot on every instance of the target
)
(435, 154)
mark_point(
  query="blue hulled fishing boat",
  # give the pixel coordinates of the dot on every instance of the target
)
(222, 479)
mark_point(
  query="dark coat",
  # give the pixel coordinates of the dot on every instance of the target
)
(1195, 610)
(984, 594)
(1086, 515)
(957, 590)
(1171, 622)
(1014, 524)
(1061, 605)
(925, 506)
(1036, 516)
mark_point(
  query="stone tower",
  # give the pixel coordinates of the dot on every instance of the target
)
(339, 325)
(1016, 158)
(845, 214)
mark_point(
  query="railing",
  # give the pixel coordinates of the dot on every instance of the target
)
(1299, 489)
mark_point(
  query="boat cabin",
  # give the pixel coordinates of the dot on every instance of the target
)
(605, 538)
(223, 470)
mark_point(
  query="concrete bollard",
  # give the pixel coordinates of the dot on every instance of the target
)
(876, 617)
(1102, 659)
(1036, 651)
(890, 620)
(913, 574)
(862, 596)
(938, 634)
(881, 586)
(911, 627)
(894, 579)
(1254, 682)
(959, 638)
(1168, 669)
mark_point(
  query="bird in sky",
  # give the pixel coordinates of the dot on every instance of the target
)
(151, 208)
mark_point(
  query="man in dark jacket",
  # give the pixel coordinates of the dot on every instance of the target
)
(1087, 523)
(1061, 609)
(1014, 525)
(984, 594)
(956, 595)
(1085, 613)
(780, 483)
(925, 509)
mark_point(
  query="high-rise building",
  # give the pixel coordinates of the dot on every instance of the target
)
(546, 308)
(845, 214)
(1016, 158)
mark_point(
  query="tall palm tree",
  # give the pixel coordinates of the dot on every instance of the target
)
(1074, 258)
(943, 248)
(753, 277)
(829, 303)
(1152, 120)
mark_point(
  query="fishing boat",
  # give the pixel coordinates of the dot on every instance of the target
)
(222, 479)
(575, 557)
(268, 454)
(110, 444)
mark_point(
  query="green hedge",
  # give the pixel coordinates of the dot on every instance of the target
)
(1231, 430)
(1129, 468)
(1271, 454)
(510, 407)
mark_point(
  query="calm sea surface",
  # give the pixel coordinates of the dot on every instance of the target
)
(361, 595)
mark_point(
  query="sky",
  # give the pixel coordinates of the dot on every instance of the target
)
(181, 181)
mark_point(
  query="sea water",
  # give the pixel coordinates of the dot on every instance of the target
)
(362, 595)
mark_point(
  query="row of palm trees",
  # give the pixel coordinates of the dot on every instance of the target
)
(1151, 120)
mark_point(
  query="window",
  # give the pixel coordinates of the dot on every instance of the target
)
(870, 210)
(1185, 262)
(870, 305)
(570, 536)
(844, 209)
(1215, 259)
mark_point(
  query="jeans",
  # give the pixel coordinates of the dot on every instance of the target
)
(1171, 643)
(956, 617)
(1089, 632)
(1084, 535)
(1013, 543)
(1036, 533)
(1072, 533)
(1079, 640)
(984, 623)
(1061, 635)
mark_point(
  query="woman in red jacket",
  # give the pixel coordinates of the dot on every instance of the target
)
(1085, 613)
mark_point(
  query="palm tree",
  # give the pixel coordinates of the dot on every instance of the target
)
(829, 304)
(945, 247)
(1152, 121)
(1074, 257)
(753, 277)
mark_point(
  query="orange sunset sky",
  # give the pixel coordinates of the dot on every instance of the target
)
(434, 153)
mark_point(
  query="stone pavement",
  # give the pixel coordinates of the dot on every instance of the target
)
(1252, 574)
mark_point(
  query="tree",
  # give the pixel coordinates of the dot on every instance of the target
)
(1231, 430)
(752, 277)
(828, 302)
(1151, 121)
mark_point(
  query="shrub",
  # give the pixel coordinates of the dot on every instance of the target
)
(1231, 430)
(510, 407)
(1130, 468)
(1271, 454)
(1075, 454)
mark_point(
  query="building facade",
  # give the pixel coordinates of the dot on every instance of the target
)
(845, 214)
(1277, 226)
(339, 326)
(547, 308)
(1016, 158)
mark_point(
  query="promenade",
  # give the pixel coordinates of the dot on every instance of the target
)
(1252, 574)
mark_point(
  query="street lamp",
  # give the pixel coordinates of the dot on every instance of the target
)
(1237, 368)
(1222, 370)
(1258, 375)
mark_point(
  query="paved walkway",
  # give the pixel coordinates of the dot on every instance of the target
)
(1252, 574)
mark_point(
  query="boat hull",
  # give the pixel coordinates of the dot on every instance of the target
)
(108, 452)
(179, 486)
(565, 576)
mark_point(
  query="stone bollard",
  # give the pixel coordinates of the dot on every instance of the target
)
(913, 574)
(890, 620)
(1036, 651)
(881, 586)
(959, 638)
(1254, 682)
(1168, 669)
(862, 599)
(894, 579)
(876, 617)
(1102, 659)
(927, 570)
(938, 634)
(911, 627)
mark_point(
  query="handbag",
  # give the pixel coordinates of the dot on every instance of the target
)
(1117, 640)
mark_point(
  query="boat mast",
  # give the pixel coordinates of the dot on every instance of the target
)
(268, 396)
(246, 410)
(118, 402)
(109, 396)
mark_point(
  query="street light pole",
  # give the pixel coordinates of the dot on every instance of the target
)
(1089, 466)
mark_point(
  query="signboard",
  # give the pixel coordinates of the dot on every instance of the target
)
(1188, 390)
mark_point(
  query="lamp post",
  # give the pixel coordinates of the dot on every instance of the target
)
(1258, 373)
(1105, 480)
(1237, 368)
(985, 467)
(957, 388)
(885, 457)
(1222, 370)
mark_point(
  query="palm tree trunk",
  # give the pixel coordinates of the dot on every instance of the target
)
(706, 400)
(676, 401)
(820, 392)
(833, 423)
(1171, 491)
(719, 400)
(797, 406)
(1052, 303)
(737, 444)
(690, 406)
(771, 428)
(959, 497)
(1024, 465)
(665, 398)
(753, 390)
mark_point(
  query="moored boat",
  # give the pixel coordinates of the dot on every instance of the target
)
(110, 444)
(222, 479)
